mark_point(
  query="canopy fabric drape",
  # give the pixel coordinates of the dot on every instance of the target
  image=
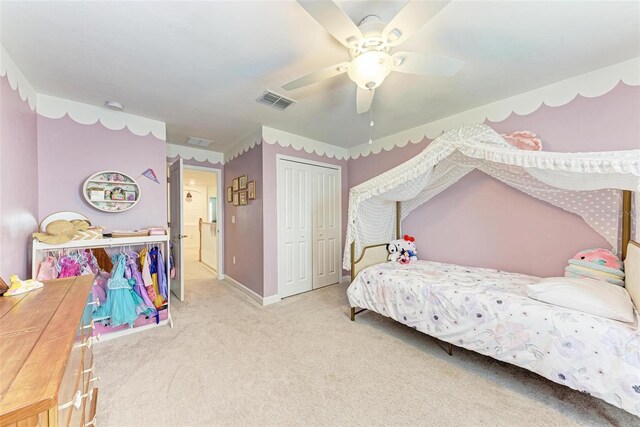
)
(586, 184)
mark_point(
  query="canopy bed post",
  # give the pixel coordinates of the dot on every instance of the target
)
(626, 221)
(397, 220)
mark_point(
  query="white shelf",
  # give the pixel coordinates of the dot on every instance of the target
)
(113, 201)
(106, 242)
(102, 181)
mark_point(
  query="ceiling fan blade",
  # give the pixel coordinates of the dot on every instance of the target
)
(317, 76)
(364, 98)
(334, 20)
(426, 64)
(410, 19)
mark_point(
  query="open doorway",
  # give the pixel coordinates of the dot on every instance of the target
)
(195, 216)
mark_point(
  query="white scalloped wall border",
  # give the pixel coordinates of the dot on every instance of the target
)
(298, 142)
(192, 153)
(16, 79)
(593, 84)
(247, 143)
(56, 108)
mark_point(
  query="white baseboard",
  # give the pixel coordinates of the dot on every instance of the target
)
(251, 294)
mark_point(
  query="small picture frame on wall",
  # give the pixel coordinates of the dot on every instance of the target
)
(251, 189)
(236, 199)
(243, 182)
(243, 198)
(229, 194)
(235, 184)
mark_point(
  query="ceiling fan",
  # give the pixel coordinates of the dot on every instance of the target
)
(370, 44)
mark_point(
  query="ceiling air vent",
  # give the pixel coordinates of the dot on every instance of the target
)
(199, 142)
(274, 100)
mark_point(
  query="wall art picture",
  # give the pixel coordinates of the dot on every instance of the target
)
(229, 194)
(236, 199)
(235, 185)
(243, 198)
(243, 182)
(251, 189)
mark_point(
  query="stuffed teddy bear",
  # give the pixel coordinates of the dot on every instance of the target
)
(408, 243)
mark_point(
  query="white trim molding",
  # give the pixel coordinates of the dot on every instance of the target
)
(56, 108)
(189, 153)
(251, 294)
(16, 79)
(298, 142)
(245, 144)
(590, 85)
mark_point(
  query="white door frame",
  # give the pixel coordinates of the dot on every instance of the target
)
(279, 158)
(219, 212)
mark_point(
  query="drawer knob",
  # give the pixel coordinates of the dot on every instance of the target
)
(94, 379)
(96, 303)
(76, 402)
(91, 423)
(89, 342)
(91, 325)
(86, 371)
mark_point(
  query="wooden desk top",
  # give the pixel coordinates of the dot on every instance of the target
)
(37, 332)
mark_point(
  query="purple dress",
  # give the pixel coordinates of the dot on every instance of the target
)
(138, 287)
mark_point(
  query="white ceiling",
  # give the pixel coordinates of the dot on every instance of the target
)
(198, 177)
(199, 66)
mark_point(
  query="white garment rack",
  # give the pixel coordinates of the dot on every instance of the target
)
(40, 250)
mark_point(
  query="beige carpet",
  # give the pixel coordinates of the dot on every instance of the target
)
(229, 361)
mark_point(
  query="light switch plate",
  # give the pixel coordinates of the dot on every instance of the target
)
(233, 220)
(234, 260)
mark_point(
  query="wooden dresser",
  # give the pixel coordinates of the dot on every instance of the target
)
(47, 375)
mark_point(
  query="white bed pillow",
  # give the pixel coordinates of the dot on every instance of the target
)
(587, 295)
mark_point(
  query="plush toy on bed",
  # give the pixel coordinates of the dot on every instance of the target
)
(403, 248)
(598, 263)
(409, 245)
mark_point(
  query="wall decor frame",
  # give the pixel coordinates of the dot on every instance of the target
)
(229, 194)
(251, 189)
(235, 184)
(243, 198)
(236, 199)
(242, 182)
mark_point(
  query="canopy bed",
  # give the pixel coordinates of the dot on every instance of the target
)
(490, 311)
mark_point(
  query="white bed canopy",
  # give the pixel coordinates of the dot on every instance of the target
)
(586, 184)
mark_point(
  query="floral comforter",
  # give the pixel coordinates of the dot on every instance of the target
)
(488, 311)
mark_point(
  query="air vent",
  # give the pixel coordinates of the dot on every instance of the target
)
(274, 100)
(199, 142)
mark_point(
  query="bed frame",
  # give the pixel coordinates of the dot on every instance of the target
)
(376, 254)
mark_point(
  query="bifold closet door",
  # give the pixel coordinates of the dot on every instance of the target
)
(326, 226)
(295, 224)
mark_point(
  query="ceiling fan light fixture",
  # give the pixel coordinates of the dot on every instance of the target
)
(370, 69)
(393, 35)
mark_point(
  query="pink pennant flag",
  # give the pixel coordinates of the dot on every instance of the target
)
(149, 173)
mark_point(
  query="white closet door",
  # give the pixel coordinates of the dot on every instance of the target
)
(326, 227)
(295, 225)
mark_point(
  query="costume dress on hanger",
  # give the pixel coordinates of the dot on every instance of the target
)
(150, 278)
(137, 277)
(123, 305)
(162, 272)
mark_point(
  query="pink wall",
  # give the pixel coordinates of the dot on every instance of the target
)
(269, 153)
(482, 222)
(18, 182)
(69, 152)
(244, 239)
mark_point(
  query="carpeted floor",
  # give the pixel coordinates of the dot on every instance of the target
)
(229, 361)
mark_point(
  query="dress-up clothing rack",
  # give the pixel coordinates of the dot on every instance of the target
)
(41, 250)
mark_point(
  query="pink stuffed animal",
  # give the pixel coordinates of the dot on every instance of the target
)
(600, 256)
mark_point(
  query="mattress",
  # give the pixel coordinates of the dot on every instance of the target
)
(488, 311)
